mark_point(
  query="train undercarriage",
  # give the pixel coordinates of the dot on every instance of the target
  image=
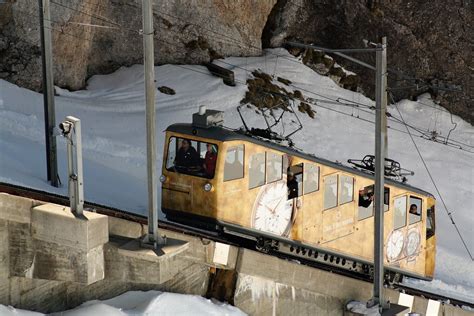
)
(290, 249)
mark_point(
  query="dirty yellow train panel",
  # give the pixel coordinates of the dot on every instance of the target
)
(274, 191)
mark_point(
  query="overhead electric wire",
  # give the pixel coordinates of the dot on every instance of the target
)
(98, 17)
(436, 187)
(356, 104)
(83, 4)
(238, 42)
(329, 99)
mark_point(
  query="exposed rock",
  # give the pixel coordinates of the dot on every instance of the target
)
(350, 82)
(306, 108)
(426, 39)
(264, 93)
(166, 90)
(284, 81)
(186, 32)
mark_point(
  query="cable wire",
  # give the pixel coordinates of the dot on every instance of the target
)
(436, 187)
(356, 104)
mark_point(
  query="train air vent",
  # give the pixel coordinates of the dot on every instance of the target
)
(207, 118)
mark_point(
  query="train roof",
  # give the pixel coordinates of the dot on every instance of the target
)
(224, 134)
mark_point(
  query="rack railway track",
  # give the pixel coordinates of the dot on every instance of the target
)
(229, 239)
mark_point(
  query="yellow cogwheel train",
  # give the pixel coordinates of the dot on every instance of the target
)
(292, 202)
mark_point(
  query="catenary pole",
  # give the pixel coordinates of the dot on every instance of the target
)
(149, 64)
(381, 152)
(380, 155)
(48, 92)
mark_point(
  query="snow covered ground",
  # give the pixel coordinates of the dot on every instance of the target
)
(137, 303)
(112, 111)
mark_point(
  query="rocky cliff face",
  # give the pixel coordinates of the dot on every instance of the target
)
(186, 32)
(426, 39)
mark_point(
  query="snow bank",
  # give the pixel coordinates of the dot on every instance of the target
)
(137, 303)
(112, 111)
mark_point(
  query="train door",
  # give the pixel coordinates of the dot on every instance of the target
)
(430, 238)
(233, 196)
(312, 204)
(189, 167)
(176, 190)
(415, 236)
(338, 206)
(405, 243)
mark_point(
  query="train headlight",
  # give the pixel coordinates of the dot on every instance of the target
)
(207, 187)
(162, 178)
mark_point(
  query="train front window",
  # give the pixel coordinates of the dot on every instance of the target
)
(400, 214)
(191, 157)
(234, 163)
(257, 170)
(414, 211)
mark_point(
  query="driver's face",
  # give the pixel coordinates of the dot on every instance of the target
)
(185, 145)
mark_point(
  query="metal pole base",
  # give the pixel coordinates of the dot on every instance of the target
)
(355, 308)
(149, 241)
(382, 305)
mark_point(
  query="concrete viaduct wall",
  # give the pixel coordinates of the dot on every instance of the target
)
(52, 261)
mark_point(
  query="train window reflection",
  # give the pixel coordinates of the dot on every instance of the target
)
(172, 147)
(183, 157)
(400, 214)
(234, 163)
(346, 189)
(274, 167)
(310, 178)
(414, 212)
(257, 170)
(330, 192)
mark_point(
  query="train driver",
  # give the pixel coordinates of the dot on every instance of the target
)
(365, 199)
(414, 209)
(292, 186)
(187, 155)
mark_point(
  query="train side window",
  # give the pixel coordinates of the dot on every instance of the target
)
(414, 212)
(330, 191)
(400, 214)
(274, 167)
(234, 163)
(256, 170)
(310, 178)
(430, 222)
(366, 202)
(346, 189)
(386, 199)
